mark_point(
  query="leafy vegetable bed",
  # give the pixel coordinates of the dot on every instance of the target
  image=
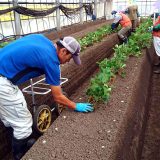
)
(114, 130)
(99, 135)
(82, 30)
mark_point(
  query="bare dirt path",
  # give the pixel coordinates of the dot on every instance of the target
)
(93, 136)
(151, 150)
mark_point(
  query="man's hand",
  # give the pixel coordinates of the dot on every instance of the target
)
(84, 107)
(114, 25)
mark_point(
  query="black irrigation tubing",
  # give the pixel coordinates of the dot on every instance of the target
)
(86, 3)
(30, 12)
(36, 13)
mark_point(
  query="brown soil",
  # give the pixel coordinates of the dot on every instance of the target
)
(113, 130)
(99, 135)
(151, 150)
(68, 69)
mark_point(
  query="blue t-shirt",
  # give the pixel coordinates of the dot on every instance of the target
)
(29, 57)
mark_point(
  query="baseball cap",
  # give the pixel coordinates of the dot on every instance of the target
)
(72, 45)
(113, 12)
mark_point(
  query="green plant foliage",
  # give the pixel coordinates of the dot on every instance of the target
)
(99, 89)
(2, 44)
(100, 86)
(6, 42)
(96, 36)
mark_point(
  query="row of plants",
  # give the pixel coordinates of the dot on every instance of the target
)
(6, 40)
(2, 44)
(101, 85)
(96, 36)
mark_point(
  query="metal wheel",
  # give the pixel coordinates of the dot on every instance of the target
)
(42, 119)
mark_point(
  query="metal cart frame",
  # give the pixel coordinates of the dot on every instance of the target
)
(42, 116)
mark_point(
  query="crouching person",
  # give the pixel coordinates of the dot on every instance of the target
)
(124, 21)
(26, 58)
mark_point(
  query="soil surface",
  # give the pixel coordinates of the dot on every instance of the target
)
(67, 69)
(151, 150)
(92, 136)
(80, 33)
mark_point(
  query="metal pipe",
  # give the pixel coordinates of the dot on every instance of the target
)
(17, 20)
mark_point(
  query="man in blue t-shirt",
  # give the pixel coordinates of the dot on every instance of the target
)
(26, 58)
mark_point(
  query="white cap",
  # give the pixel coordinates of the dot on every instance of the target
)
(72, 45)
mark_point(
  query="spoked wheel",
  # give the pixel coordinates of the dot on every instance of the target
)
(42, 119)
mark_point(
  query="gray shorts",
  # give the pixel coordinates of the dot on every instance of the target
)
(13, 109)
(123, 31)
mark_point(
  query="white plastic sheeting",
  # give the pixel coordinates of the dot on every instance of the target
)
(145, 7)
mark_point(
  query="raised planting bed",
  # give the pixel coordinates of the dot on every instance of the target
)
(67, 30)
(113, 131)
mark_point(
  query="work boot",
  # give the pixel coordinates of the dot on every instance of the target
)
(125, 40)
(133, 30)
(21, 146)
(157, 71)
(157, 63)
(9, 133)
(30, 143)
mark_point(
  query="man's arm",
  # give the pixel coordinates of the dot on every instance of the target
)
(117, 18)
(115, 23)
(60, 98)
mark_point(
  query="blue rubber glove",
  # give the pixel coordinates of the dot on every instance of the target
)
(84, 107)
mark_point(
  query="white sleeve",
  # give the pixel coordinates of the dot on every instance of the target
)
(117, 18)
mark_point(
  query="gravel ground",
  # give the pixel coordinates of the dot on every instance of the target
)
(91, 136)
(151, 150)
(97, 135)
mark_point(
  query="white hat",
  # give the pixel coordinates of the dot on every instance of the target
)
(72, 45)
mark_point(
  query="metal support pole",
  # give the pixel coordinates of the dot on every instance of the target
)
(95, 8)
(58, 16)
(32, 91)
(105, 9)
(109, 9)
(81, 11)
(17, 20)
